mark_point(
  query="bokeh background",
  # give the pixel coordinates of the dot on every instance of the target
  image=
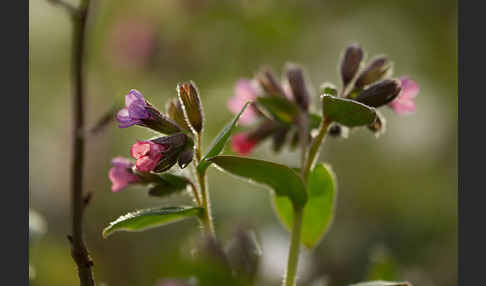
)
(397, 199)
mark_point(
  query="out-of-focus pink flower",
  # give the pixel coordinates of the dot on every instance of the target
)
(147, 154)
(244, 91)
(404, 103)
(121, 174)
(241, 144)
(133, 42)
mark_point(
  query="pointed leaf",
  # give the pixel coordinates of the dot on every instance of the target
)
(218, 143)
(149, 218)
(347, 112)
(382, 283)
(319, 210)
(280, 108)
(283, 180)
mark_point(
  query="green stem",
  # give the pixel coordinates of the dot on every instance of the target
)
(293, 259)
(206, 219)
(314, 148)
(206, 204)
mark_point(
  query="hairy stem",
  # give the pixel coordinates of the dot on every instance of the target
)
(79, 251)
(314, 148)
(206, 219)
(293, 259)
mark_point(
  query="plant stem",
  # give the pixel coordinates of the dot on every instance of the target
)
(314, 148)
(293, 259)
(206, 219)
(79, 251)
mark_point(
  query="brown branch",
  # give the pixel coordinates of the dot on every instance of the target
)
(79, 201)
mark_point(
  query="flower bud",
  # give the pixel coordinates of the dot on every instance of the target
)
(338, 131)
(191, 104)
(296, 78)
(269, 82)
(373, 72)
(138, 111)
(379, 126)
(379, 93)
(350, 63)
(175, 112)
(279, 137)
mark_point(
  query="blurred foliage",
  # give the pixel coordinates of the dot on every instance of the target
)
(399, 191)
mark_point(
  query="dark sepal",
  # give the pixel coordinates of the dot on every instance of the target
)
(297, 82)
(350, 63)
(269, 82)
(375, 71)
(380, 93)
(185, 158)
(279, 137)
(160, 122)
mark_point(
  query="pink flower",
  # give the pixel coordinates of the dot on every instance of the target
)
(241, 144)
(404, 103)
(132, 42)
(121, 174)
(147, 154)
(244, 91)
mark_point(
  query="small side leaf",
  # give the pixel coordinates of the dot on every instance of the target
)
(149, 218)
(347, 112)
(319, 210)
(280, 108)
(218, 143)
(382, 283)
(282, 179)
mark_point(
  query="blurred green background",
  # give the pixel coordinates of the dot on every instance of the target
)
(397, 195)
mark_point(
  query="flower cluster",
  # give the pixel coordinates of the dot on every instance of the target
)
(370, 85)
(159, 154)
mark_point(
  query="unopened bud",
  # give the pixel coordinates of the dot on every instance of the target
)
(269, 82)
(279, 138)
(379, 93)
(379, 126)
(373, 72)
(191, 104)
(296, 78)
(350, 63)
(175, 112)
(338, 131)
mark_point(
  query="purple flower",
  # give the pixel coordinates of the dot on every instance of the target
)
(244, 91)
(121, 174)
(135, 110)
(404, 102)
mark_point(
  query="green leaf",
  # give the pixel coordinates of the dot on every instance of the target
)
(314, 120)
(218, 143)
(149, 218)
(319, 210)
(283, 180)
(280, 108)
(347, 112)
(169, 184)
(382, 283)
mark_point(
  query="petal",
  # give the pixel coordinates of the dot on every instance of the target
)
(134, 96)
(409, 87)
(241, 144)
(140, 149)
(124, 119)
(146, 164)
(138, 111)
(121, 162)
